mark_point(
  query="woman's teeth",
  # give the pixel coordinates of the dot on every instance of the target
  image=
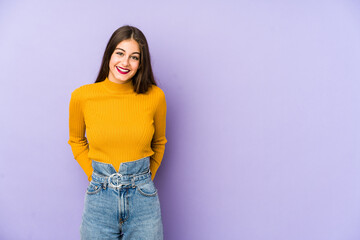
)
(121, 70)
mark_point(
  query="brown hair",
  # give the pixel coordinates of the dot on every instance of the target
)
(144, 77)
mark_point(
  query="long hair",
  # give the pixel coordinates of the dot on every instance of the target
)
(144, 77)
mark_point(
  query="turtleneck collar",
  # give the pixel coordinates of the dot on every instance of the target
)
(118, 88)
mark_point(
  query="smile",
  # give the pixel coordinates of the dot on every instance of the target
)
(122, 71)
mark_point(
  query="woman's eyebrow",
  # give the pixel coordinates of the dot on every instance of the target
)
(125, 51)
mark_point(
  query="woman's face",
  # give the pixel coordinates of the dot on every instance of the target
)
(124, 61)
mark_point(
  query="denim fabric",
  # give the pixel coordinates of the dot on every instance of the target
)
(123, 205)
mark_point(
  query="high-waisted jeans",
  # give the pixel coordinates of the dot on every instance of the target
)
(122, 205)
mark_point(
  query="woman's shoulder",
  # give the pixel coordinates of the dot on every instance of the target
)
(84, 89)
(156, 91)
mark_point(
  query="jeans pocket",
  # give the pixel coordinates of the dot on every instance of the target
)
(93, 188)
(147, 189)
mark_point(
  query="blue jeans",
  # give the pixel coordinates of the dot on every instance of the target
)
(122, 205)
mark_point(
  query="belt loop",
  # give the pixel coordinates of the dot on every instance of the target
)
(104, 185)
(133, 182)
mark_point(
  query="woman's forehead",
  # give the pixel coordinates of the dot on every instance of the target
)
(129, 45)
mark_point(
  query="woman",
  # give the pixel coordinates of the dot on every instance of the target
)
(124, 115)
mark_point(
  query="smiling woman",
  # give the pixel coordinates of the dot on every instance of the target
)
(124, 62)
(124, 116)
(128, 48)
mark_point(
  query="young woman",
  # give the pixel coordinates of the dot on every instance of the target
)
(124, 116)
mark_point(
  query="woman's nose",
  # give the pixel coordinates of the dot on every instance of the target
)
(125, 62)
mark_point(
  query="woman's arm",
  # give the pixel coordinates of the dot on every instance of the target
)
(78, 141)
(159, 140)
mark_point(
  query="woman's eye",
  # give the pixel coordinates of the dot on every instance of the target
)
(136, 58)
(120, 53)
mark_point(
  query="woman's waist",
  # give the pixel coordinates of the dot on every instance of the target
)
(125, 167)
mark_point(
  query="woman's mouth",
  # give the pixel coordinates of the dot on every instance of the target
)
(122, 70)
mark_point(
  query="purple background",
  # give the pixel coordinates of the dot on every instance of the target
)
(262, 126)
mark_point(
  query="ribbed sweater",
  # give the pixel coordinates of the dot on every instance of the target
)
(120, 125)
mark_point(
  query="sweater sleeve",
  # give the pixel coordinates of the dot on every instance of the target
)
(159, 140)
(77, 140)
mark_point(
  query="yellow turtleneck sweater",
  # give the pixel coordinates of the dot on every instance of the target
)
(120, 125)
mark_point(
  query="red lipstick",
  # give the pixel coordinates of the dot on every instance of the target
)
(118, 69)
